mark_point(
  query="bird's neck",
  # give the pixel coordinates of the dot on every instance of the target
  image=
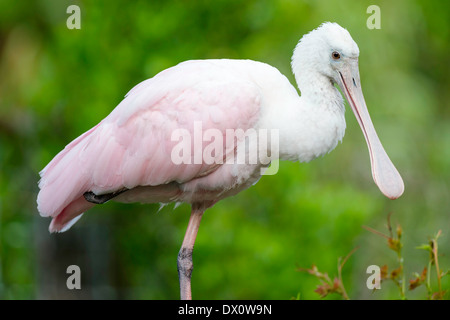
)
(313, 124)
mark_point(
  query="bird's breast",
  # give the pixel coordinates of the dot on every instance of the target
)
(308, 132)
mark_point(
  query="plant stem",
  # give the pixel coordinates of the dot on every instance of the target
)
(340, 267)
(428, 283)
(436, 263)
(402, 287)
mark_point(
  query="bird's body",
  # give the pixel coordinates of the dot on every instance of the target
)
(128, 156)
(131, 148)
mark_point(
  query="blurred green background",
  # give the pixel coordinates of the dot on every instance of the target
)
(56, 83)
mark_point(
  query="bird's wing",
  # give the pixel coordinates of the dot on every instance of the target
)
(133, 145)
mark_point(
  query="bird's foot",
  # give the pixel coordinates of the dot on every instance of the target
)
(102, 198)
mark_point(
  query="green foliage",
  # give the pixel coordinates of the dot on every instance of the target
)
(56, 83)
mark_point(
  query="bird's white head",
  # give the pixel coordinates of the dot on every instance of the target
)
(324, 50)
(329, 52)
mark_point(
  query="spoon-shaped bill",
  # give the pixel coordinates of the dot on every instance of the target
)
(384, 172)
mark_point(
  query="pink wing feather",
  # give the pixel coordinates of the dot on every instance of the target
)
(132, 146)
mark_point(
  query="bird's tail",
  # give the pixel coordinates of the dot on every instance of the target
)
(63, 182)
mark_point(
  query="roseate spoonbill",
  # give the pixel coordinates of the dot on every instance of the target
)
(127, 156)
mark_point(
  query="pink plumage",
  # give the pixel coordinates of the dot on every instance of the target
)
(132, 146)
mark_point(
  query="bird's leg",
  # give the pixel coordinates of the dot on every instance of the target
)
(184, 262)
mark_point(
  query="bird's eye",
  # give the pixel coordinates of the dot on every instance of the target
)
(336, 55)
